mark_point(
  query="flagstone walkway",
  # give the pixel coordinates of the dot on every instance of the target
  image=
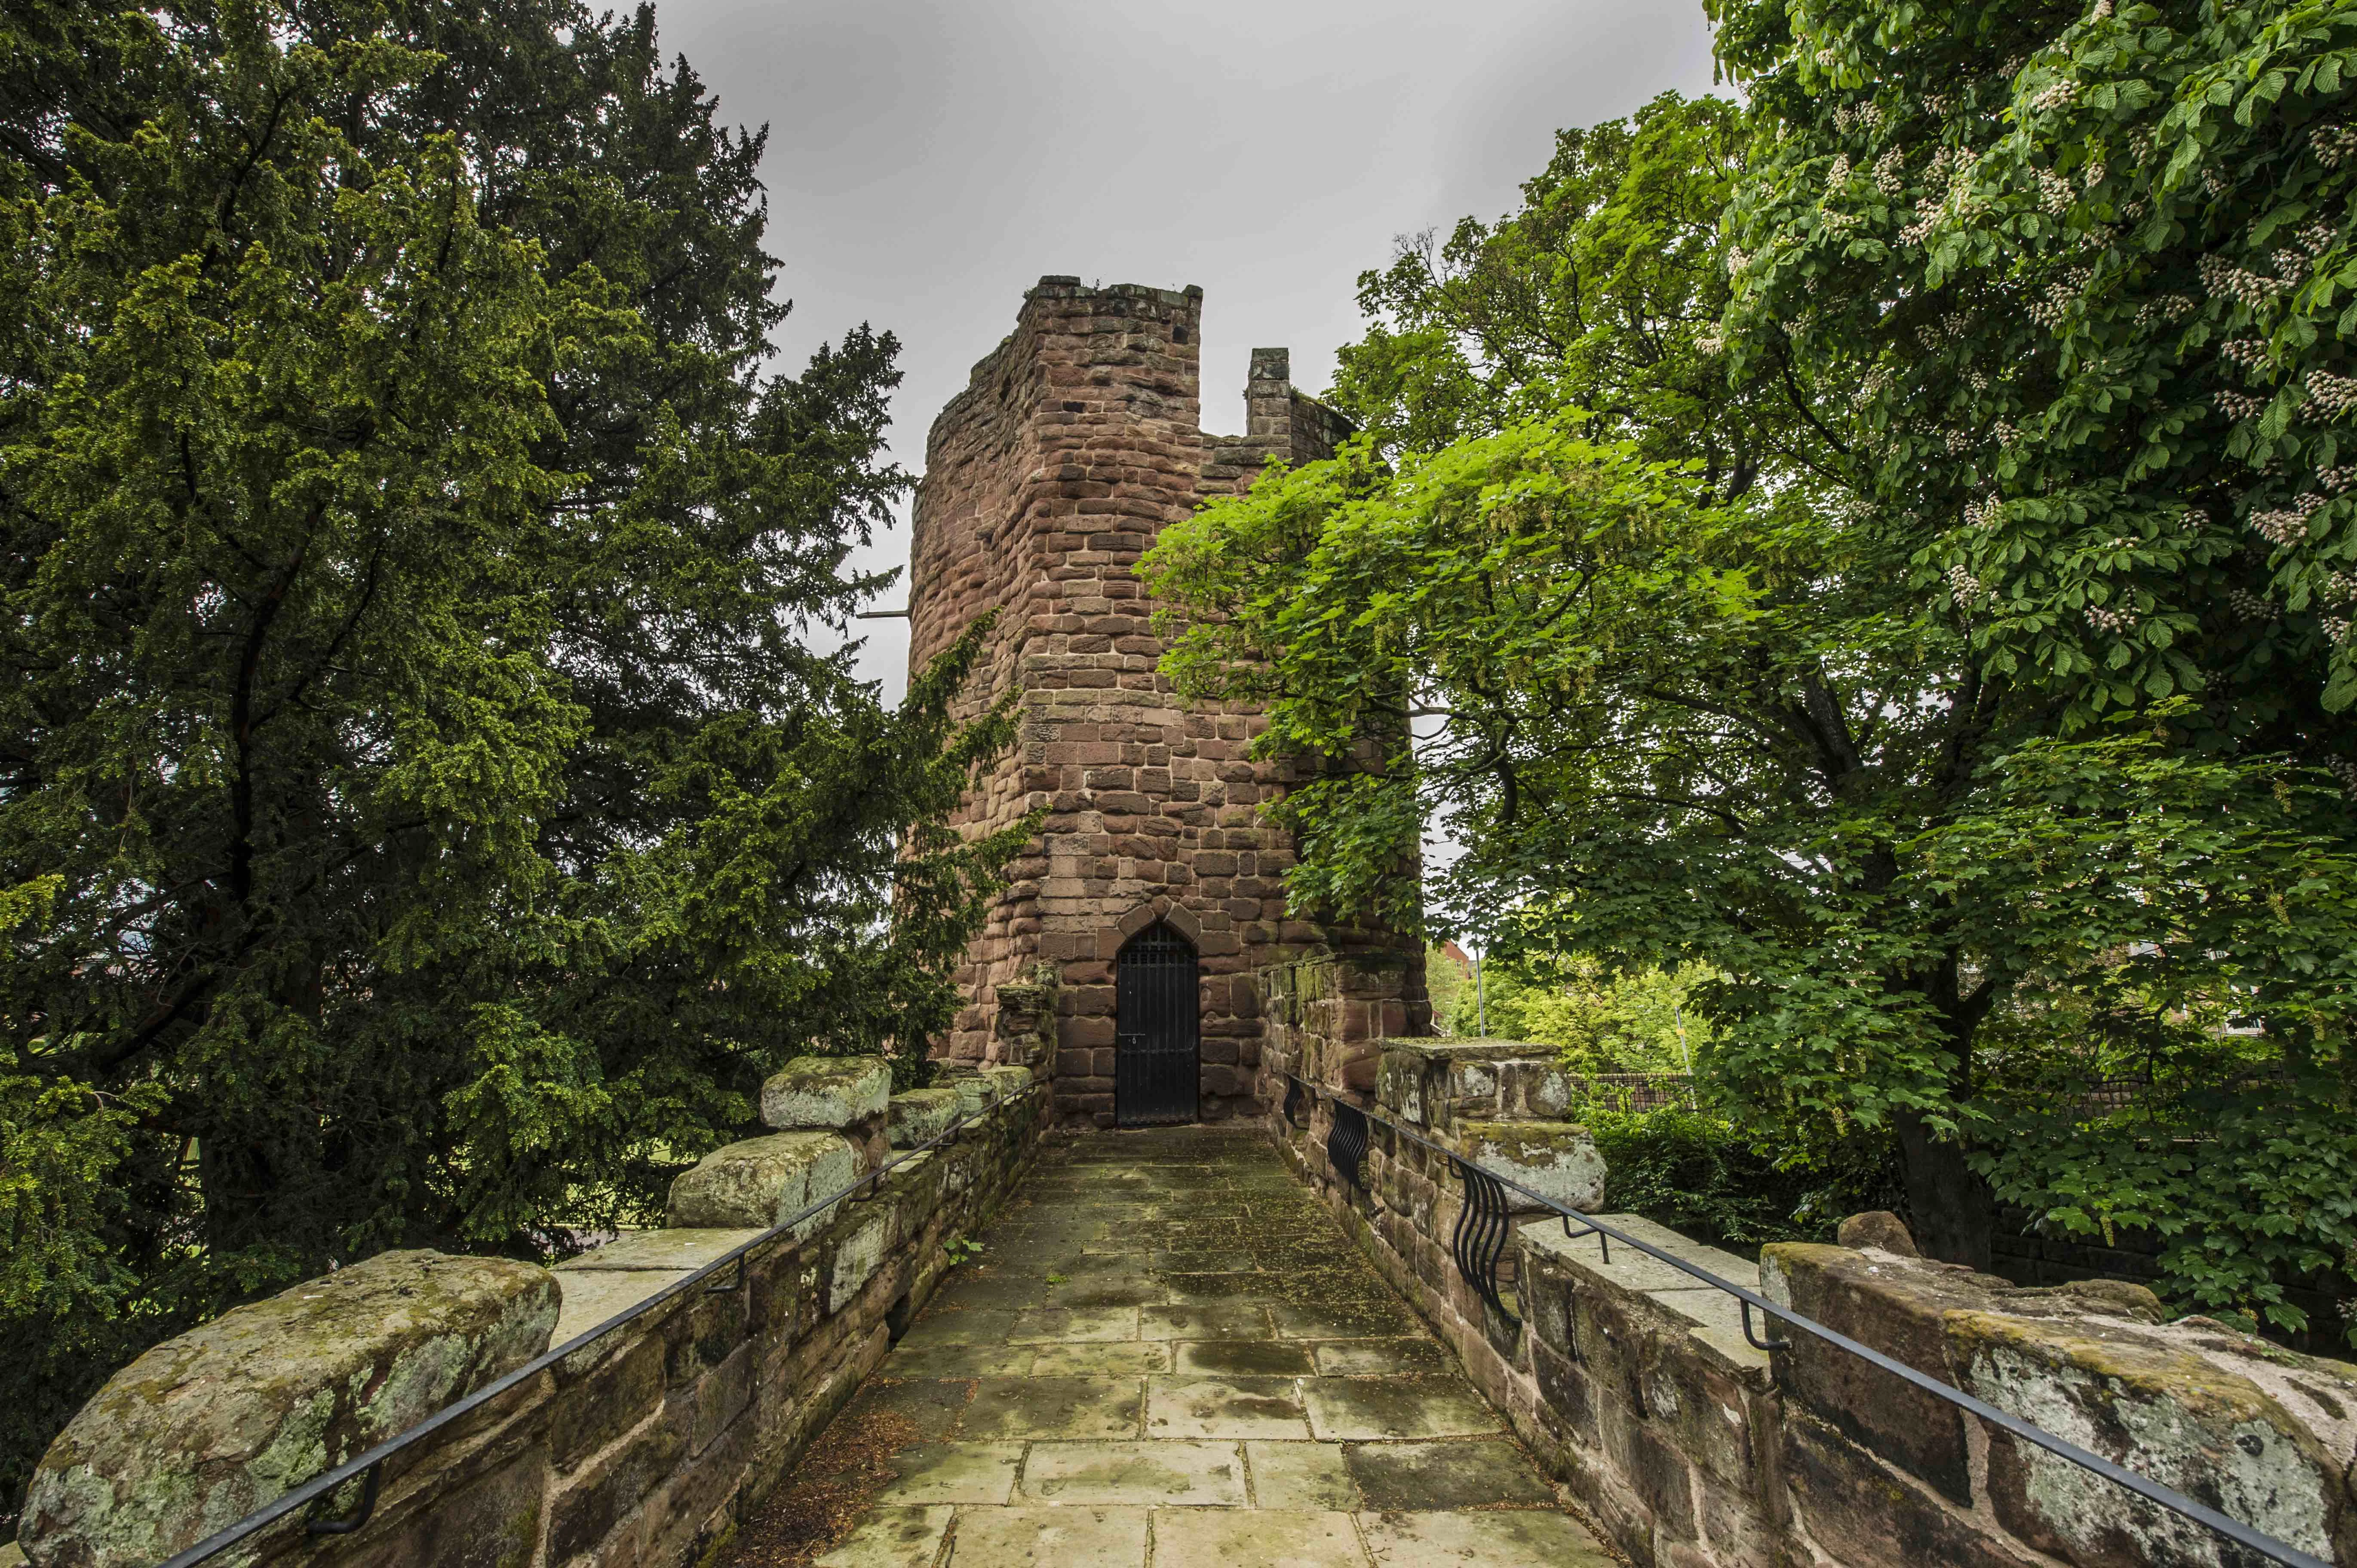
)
(1169, 1357)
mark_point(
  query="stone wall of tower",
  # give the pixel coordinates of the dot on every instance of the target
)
(1044, 480)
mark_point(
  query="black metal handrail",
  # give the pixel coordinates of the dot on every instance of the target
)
(2152, 1491)
(320, 1488)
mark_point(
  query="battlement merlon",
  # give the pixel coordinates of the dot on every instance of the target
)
(1081, 432)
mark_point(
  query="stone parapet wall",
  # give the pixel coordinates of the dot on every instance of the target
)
(1635, 1383)
(642, 1450)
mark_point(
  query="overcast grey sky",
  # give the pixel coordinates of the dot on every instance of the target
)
(930, 159)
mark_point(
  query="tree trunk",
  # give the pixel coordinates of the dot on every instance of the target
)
(1953, 1213)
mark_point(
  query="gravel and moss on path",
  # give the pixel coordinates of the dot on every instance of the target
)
(1169, 1357)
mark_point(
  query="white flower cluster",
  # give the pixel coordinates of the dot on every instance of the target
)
(2055, 94)
(2337, 479)
(2012, 68)
(2287, 525)
(2249, 606)
(1829, 56)
(1834, 222)
(2102, 13)
(2062, 293)
(1959, 442)
(2319, 238)
(1737, 260)
(1927, 218)
(1962, 586)
(2220, 276)
(2340, 587)
(2005, 431)
(1838, 174)
(2054, 192)
(2240, 405)
(1869, 114)
(2336, 627)
(2250, 353)
(2135, 209)
(1985, 512)
(2193, 519)
(2092, 175)
(2141, 142)
(1710, 343)
(2165, 308)
(1937, 102)
(2332, 144)
(2328, 394)
(1977, 380)
(2113, 621)
(1887, 171)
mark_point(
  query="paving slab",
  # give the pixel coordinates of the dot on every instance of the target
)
(1055, 1407)
(1276, 1539)
(932, 1473)
(1312, 1475)
(1066, 1326)
(1050, 1538)
(1529, 1539)
(1225, 1407)
(1428, 1477)
(894, 1538)
(1102, 1358)
(1169, 1357)
(1158, 1474)
(1346, 1410)
(1243, 1358)
(1222, 1320)
(1378, 1357)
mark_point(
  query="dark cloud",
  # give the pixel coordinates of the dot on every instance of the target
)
(927, 161)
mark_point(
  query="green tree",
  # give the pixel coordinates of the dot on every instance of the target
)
(2088, 271)
(1673, 722)
(423, 818)
(1604, 292)
(1602, 1021)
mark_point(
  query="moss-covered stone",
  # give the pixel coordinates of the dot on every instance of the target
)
(762, 1182)
(829, 1093)
(920, 1116)
(1558, 1160)
(210, 1425)
(2156, 1407)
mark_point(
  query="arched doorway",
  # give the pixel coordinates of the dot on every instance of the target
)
(1156, 1066)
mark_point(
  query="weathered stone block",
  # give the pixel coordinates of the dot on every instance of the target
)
(1555, 1159)
(831, 1092)
(2168, 1411)
(210, 1425)
(1895, 1306)
(1006, 1082)
(921, 1115)
(1859, 1510)
(764, 1181)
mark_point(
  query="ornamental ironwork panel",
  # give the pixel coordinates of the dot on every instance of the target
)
(1480, 1236)
(1156, 1066)
(1346, 1143)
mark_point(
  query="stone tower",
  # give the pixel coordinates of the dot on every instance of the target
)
(1074, 443)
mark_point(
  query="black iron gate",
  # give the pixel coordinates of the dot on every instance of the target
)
(1154, 1059)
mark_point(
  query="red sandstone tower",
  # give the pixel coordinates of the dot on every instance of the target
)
(1154, 895)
